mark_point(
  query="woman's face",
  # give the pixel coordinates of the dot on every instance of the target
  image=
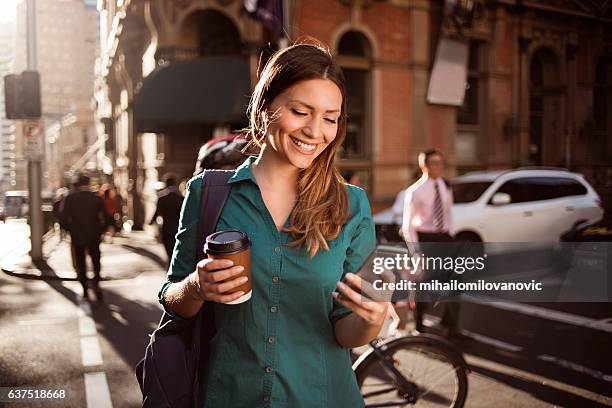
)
(304, 120)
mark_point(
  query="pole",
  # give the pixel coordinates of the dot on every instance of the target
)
(34, 169)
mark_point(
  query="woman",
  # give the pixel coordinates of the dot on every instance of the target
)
(288, 345)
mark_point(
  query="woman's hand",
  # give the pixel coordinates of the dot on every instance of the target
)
(372, 312)
(214, 277)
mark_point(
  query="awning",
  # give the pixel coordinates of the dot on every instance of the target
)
(197, 91)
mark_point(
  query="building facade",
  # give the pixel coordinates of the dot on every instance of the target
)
(538, 84)
(9, 177)
(67, 46)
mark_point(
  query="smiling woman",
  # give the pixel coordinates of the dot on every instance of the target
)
(287, 345)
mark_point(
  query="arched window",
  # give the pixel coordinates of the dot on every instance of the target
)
(210, 32)
(355, 57)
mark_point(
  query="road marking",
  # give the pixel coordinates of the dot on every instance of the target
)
(87, 326)
(576, 367)
(594, 324)
(42, 322)
(96, 391)
(91, 354)
(491, 341)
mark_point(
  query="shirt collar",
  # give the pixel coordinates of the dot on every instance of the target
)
(244, 171)
(437, 181)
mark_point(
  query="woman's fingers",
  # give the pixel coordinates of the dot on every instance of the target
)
(222, 274)
(217, 277)
(351, 297)
(226, 298)
(211, 265)
(225, 286)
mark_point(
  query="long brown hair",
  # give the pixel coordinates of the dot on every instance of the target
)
(322, 207)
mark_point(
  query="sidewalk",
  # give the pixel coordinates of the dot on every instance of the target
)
(126, 257)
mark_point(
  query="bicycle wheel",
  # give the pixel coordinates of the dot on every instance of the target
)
(434, 367)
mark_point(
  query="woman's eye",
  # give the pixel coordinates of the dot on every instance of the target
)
(298, 113)
(331, 121)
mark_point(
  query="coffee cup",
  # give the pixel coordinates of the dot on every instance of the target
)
(235, 246)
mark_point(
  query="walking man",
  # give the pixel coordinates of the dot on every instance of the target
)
(83, 214)
(169, 204)
(427, 223)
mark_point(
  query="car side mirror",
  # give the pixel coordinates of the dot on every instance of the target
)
(501, 199)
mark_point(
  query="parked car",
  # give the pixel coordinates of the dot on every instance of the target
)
(16, 204)
(525, 205)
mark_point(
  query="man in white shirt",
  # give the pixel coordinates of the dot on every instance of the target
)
(427, 218)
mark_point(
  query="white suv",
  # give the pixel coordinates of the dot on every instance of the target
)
(524, 205)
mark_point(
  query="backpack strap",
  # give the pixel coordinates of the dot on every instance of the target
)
(215, 191)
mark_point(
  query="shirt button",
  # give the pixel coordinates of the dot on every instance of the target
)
(275, 279)
(271, 339)
(277, 250)
(273, 309)
(268, 369)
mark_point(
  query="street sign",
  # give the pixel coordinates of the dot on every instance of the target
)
(33, 139)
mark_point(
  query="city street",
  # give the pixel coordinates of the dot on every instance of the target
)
(520, 355)
(50, 338)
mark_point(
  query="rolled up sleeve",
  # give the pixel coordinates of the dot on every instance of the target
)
(363, 242)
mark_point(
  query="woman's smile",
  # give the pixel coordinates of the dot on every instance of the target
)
(302, 147)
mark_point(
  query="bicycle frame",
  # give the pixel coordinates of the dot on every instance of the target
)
(408, 390)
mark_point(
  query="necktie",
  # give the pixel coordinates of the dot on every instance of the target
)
(438, 211)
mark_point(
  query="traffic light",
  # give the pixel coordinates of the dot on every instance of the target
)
(30, 94)
(22, 95)
(12, 96)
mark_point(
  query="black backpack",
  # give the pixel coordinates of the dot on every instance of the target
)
(168, 374)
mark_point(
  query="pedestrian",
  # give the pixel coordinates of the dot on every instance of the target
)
(287, 345)
(118, 215)
(109, 210)
(58, 204)
(427, 226)
(83, 214)
(169, 204)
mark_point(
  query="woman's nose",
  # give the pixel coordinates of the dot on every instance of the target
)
(313, 129)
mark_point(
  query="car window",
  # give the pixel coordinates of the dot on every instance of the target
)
(515, 189)
(571, 187)
(541, 188)
(467, 192)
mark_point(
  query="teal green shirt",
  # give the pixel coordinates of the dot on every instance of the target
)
(278, 349)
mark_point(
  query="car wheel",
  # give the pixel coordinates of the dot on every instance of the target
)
(467, 236)
(469, 244)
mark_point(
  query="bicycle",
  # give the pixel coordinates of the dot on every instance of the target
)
(423, 370)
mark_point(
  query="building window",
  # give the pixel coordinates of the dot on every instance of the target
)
(468, 112)
(355, 57)
(602, 106)
(601, 94)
